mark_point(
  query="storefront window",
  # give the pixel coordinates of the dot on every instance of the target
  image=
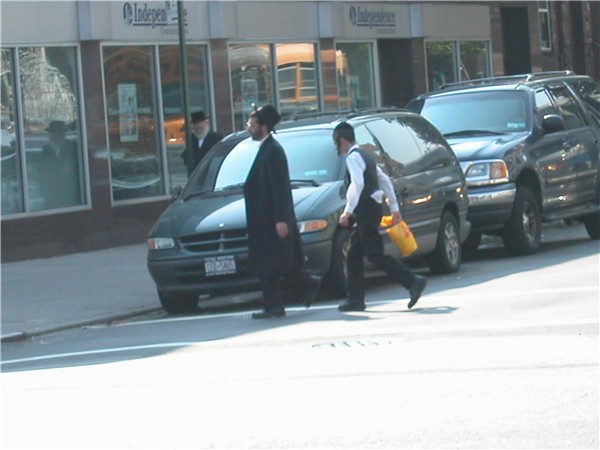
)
(440, 64)
(12, 192)
(474, 60)
(251, 79)
(451, 61)
(133, 135)
(354, 65)
(172, 101)
(51, 151)
(297, 78)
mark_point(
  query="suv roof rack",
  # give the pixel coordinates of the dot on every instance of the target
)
(509, 78)
(341, 113)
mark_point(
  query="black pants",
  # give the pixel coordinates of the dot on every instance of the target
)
(365, 240)
(272, 287)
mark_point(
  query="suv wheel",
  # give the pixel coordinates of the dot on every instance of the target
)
(523, 232)
(335, 280)
(592, 225)
(446, 256)
(178, 303)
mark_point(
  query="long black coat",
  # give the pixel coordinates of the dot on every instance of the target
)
(211, 138)
(269, 200)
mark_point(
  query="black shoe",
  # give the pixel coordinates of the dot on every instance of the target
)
(310, 291)
(352, 306)
(416, 289)
(269, 313)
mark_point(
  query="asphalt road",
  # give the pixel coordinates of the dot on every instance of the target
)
(503, 354)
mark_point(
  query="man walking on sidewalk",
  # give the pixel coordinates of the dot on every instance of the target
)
(367, 185)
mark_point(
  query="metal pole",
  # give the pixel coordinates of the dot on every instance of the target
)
(184, 86)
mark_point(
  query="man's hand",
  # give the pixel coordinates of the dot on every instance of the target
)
(282, 229)
(396, 217)
(346, 219)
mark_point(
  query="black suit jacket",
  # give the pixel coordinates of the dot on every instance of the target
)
(212, 137)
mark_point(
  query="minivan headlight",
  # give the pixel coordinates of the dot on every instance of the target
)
(311, 226)
(159, 243)
(479, 173)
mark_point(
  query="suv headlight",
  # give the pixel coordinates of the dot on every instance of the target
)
(311, 226)
(159, 243)
(480, 173)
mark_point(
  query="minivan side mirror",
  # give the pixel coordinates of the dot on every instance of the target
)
(553, 123)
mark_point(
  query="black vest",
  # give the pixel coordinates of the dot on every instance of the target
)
(369, 176)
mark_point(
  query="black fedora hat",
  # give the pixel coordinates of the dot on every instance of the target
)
(56, 126)
(268, 115)
(198, 116)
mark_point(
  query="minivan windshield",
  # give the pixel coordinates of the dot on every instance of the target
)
(477, 113)
(312, 159)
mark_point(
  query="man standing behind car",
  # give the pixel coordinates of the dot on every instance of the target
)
(367, 185)
(274, 246)
(203, 138)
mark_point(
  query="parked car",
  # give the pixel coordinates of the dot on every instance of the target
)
(199, 244)
(529, 146)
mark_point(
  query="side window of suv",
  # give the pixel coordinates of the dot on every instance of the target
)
(398, 142)
(543, 105)
(567, 107)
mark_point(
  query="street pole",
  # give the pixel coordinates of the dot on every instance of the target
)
(184, 87)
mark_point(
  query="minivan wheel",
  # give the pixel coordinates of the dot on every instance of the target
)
(447, 255)
(523, 231)
(592, 225)
(335, 280)
(178, 303)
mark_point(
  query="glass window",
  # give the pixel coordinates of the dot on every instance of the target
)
(354, 65)
(567, 107)
(450, 61)
(12, 192)
(251, 79)
(440, 64)
(172, 101)
(133, 134)
(543, 105)
(397, 141)
(51, 128)
(474, 60)
(545, 25)
(297, 78)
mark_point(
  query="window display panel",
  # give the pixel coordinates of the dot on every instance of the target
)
(474, 58)
(133, 135)
(297, 78)
(354, 65)
(251, 79)
(12, 192)
(172, 100)
(51, 127)
(440, 64)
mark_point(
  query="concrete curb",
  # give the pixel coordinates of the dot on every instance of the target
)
(22, 335)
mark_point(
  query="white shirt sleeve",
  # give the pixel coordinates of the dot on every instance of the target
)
(385, 183)
(356, 167)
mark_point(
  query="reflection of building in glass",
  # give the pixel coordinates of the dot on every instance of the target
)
(296, 73)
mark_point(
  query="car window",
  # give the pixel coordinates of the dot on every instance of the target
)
(367, 142)
(311, 156)
(567, 107)
(431, 142)
(543, 105)
(398, 143)
(487, 112)
(589, 92)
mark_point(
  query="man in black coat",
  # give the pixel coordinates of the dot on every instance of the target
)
(274, 246)
(203, 138)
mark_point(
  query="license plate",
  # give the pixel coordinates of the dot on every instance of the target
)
(219, 265)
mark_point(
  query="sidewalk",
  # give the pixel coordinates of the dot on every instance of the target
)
(44, 295)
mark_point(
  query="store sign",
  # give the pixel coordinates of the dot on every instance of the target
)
(144, 15)
(363, 16)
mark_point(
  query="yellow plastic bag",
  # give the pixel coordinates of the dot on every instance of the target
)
(400, 235)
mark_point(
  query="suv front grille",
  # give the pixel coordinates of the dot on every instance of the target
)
(216, 242)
